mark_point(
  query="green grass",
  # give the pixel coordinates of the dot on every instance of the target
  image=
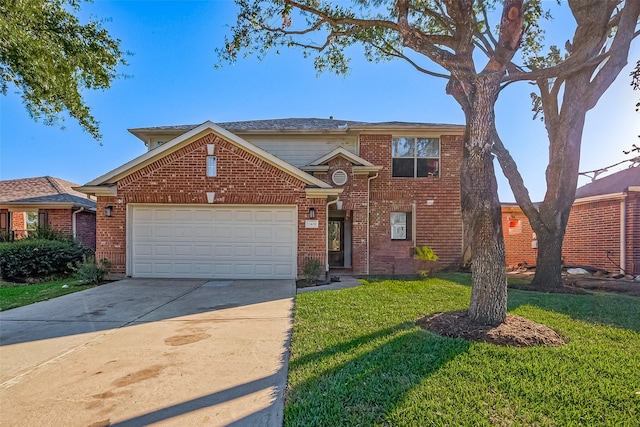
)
(357, 359)
(14, 295)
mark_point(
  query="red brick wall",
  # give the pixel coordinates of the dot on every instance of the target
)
(354, 199)
(633, 232)
(438, 225)
(180, 178)
(60, 220)
(518, 238)
(86, 229)
(593, 231)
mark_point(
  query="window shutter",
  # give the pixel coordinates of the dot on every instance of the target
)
(43, 219)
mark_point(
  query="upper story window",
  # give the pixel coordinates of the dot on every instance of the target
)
(211, 166)
(415, 157)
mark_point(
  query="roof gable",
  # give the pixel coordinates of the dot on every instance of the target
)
(341, 152)
(191, 136)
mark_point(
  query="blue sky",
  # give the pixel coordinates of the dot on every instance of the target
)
(172, 80)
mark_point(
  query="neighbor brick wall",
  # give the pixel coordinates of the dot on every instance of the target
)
(438, 226)
(593, 230)
(633, 233)
(19, 225)
(180, 178)
(86, 229)
(518, 239)
(60, 220)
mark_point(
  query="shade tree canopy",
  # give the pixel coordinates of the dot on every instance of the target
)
(49, 57)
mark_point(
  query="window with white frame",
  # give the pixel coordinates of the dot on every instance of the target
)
(211, 166)
(415, 157)
(400, 225)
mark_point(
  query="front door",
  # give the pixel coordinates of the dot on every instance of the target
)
(336, 242)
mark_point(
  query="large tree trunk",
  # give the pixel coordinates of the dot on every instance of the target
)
(481, 208)
(549, 259)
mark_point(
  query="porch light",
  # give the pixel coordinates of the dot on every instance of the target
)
(108, 210)
(312, 212)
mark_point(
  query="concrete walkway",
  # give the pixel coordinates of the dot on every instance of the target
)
(139, 352)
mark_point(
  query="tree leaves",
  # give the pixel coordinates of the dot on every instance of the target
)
(50, 58)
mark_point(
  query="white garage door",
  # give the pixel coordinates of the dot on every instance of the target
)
(252, 242)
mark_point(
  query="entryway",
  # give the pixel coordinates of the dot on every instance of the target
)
(339, 239)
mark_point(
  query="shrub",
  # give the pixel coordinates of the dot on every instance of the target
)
(46, 233)
(426, 255)
(31, 258)
(88, 271)
(312, 270)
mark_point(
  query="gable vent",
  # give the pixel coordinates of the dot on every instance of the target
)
(339, 177)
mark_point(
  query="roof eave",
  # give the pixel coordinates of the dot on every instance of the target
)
(98, 190)
(26, 207)
(322, 193)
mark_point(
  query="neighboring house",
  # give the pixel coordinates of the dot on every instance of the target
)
(603, 229)
(46, 202)
(257, 199)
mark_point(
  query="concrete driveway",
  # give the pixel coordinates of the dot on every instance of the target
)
(139, 352)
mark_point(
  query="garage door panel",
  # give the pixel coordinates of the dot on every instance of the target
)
(142, 231)
(223, 233)
(162, 250)
(284, 216)
(243, 215)
(283, 270)
(161, 231)
(162, 268)
(264, 216)
(243, 251)
(264, 269)
(208, 242)
(243, 233)
(142, 249)
(163, 215)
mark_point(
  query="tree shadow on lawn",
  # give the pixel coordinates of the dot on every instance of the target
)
(366, 377)
(620, 311)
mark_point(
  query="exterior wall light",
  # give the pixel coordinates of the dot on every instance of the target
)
(108, 210)
(312, 212)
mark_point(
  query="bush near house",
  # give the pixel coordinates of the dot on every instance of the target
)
(38, 258)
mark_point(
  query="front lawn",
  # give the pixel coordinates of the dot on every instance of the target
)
(358, 359)
(14, 295)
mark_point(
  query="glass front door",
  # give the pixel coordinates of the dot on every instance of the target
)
(336, 242)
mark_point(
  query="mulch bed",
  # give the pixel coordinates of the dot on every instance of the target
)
(516, 331)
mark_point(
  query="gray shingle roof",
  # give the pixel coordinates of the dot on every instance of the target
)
(300, 124)
(611, 184)
(42, 190)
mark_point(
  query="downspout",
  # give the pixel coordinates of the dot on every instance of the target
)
(414, 223)
(326, 239)
(73, 221)
(623, 235)
(369, 215)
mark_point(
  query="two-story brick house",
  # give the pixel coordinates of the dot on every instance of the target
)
(256, 199)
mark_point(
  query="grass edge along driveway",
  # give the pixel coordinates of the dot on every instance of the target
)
(358, 359)
(14, 295)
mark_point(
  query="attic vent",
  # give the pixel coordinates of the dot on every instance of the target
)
(339, 177)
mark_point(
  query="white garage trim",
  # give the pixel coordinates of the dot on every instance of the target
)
(205, 241)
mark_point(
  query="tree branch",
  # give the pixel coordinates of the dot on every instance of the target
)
(510, 170)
